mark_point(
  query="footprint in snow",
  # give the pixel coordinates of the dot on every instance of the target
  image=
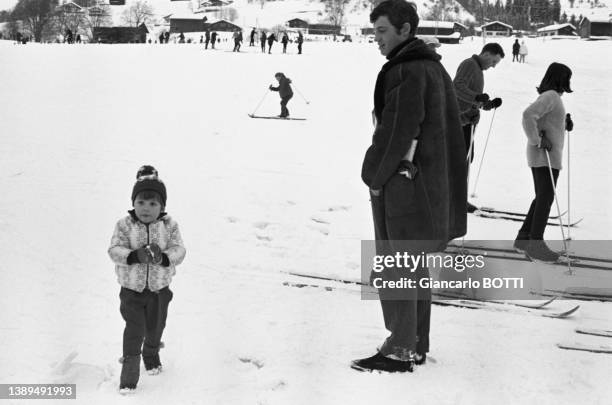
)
(261, 225)
(257, 363)
(339, 208)
(319, 220)
(232, 220)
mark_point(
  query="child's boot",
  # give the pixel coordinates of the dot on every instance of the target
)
(130, 372)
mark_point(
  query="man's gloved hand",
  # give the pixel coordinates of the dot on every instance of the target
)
(496, 102)
(156, 253)
(569, 124)
(481, 98)
(545, 143)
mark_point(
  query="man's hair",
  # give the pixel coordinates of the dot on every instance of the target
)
(494, 49)
(398, 12)
(557, 78)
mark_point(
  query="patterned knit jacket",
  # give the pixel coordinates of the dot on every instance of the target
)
(131, 234)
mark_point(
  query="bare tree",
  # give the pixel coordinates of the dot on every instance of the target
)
(35, 15)
(98, 16)
(69, 18)
(335, 10)
(138, 13)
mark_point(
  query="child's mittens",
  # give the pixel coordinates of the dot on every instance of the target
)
(155, 253)
(140, 256)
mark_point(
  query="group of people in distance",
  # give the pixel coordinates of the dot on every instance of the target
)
(519, 51)
(416, 171)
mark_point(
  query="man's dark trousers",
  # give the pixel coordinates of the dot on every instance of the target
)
(407, 319)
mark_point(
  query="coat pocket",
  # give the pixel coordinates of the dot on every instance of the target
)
(400, 196)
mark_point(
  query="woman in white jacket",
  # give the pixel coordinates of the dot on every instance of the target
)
(523, 52)
(544, 123)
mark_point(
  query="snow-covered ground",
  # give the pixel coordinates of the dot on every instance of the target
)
(255, 199)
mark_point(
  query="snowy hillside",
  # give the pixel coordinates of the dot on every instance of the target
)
(256, 199)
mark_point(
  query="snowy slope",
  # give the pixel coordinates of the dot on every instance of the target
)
(256, 198)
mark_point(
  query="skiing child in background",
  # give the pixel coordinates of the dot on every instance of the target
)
(145, 247)
(523, 51)
(285, 92)
(544, 123)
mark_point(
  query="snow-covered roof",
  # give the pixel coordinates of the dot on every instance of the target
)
(434, 24)
(599, 17)
(555, 27)
(496, 22)
(185, 16)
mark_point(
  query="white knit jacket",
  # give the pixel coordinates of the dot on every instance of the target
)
(131, 234)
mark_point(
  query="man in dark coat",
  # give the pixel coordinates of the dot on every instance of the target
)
(516, 47)
(213, 39)
(300, 41)
(271, 39)
(252, 42)
(285, 41)
(416, 173)
(206, 39)
(263, 39)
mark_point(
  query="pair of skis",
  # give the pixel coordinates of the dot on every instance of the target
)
(272, 117)
(487, 212)
(587, 347)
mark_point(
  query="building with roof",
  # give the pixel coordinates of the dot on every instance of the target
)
(596, 27)
(566, 29)
(496, 29)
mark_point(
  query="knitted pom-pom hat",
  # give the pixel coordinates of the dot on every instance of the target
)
(147, 180)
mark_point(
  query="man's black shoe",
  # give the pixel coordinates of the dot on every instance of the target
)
(381, 363)
(471, 207)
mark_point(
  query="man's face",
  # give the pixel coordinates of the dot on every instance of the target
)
(386, 35)
(490, 60)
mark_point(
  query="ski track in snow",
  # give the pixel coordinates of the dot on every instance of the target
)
(255, 200)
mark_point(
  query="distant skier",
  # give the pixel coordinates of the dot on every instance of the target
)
(544, 123)
(252, 41)
(300, 41)
(271, 39)
(213, 39)
(145, 247)
(285, 41)
(201, 39)
(181, 38)
(263, 39)
(167, 36)
(515, 50)
(237, 36)
(284, 91)
(161, 38)
(523, 52)
(206, 39)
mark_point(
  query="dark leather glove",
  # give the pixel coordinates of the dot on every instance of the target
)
(496, 102)
(569, 124)
(545, 142)
(156, 253)
(481, 98)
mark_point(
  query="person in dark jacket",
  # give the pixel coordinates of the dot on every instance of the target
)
(284, 91)
(161, 38)
(213, 39)
(206, 39)
(300, 41)
(285, 41)
(516, 47)
(181, 38)
(271, 39)
(469, 86)
(416, 174)
(167, 36)
(263, 39)
(252, 41)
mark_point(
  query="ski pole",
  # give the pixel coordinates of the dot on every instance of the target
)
(483, 153)
(262, 100)
(469, 158)
(552, 182)
(300, 93)
(569, 212)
